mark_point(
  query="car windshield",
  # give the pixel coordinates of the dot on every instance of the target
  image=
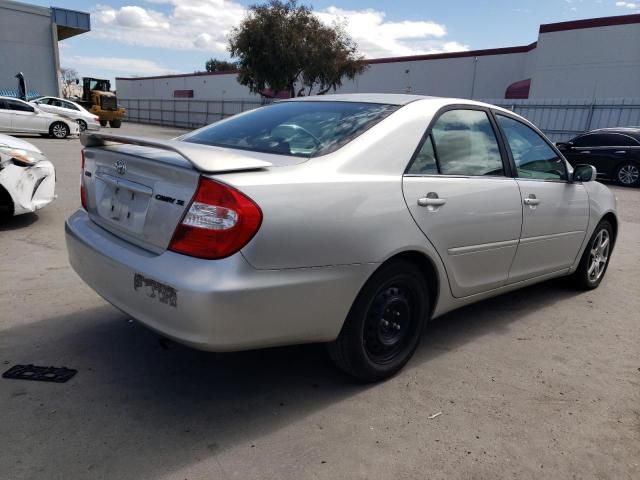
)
(304, 129)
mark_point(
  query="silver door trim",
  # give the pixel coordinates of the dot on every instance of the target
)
(542, 238)
(483, 247)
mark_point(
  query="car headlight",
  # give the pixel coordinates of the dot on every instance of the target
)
(21, 157)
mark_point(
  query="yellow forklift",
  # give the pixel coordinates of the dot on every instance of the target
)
(98, 98)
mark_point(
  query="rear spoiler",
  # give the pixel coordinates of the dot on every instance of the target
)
(206, 158)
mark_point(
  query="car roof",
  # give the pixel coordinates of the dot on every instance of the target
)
(12, 98)
(389, 99)
(630, 131)
(617, 129)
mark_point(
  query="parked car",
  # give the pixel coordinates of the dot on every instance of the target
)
(615, 152)
(17, 116)
(69, 109)
(346, 219)
(27, 178)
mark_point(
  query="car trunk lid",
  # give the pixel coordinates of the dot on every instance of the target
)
(139, 189)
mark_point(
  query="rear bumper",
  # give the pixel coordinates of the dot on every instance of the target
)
(220, 305)
(93, 126)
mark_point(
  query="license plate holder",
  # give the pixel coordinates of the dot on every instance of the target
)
(122, 202)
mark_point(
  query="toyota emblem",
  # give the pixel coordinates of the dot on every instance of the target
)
(121, 167)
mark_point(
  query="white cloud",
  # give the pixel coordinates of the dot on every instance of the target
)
(629, 5)
(117, 65)
(205, 25)
(377, 37)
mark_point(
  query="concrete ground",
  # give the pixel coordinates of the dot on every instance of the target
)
(541, 383)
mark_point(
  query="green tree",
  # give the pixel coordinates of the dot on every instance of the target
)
(215, 65)
(283, 46)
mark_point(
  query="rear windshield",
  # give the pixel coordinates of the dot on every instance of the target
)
(302, 129)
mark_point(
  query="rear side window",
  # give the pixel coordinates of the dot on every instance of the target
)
(462, 142)
(69, 105)
(605, 140)
(303, 129)
(19, 106)
(533, 156)
(425, 161)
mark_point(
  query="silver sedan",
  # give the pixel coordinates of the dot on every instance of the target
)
(344, 219)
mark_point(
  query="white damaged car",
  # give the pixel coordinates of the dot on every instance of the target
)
(27, 178)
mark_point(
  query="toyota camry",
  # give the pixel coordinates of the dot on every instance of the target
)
(349, 220)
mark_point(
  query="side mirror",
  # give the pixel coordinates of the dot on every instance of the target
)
(562, 146)
(584, 173)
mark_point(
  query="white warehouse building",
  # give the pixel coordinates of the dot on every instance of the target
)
(29, 36)
(583, 59)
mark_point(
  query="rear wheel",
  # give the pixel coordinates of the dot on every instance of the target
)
(103, 123)
(115, 123)
(384, 324)
(59, 130)
(82, 124)
(595, 259)
(628, 174)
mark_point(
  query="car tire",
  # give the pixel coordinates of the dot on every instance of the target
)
(82, 124)
(595, 258)
(628, 174)
(103, 123)
(6, 205)
(59, 130)
(115, 123)
(385, 323)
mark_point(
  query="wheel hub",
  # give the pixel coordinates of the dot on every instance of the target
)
(392, 326)
(389, 324)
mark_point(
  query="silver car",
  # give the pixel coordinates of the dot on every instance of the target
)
(17, 116)
(345, 219)
(69, 109)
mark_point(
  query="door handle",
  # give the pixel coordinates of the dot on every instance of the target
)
(620, 152)
(585, 151)
(531, 200)
(431, 200)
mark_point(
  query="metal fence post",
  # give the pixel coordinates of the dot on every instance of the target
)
(587, 127)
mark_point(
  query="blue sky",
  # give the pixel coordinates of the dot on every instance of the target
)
(152, 37)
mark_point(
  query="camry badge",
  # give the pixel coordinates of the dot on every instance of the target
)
(121, 167)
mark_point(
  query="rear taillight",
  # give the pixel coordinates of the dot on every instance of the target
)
(219, 222)
(83, 189)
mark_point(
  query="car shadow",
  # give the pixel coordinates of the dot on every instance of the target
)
(142, 406)
(16, 222)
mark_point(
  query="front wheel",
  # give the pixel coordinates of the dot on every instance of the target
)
(628, 174)
(595, 259)
(103, 123)
(59, 130)
(383, 327)
(115, 123)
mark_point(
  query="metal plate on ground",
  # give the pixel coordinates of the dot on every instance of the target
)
(41, 374)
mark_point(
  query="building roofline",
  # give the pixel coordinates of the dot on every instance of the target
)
(373, 61)
(463, 54)
(180, 75)
(26, 7)
(590, 23)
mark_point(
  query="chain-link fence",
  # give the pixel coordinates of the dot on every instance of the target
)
(563, 119)
(185, 113)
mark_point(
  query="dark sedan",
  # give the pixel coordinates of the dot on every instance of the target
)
(615, 152)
